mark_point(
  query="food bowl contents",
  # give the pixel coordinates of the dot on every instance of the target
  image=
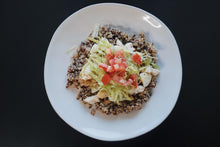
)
(114, 71)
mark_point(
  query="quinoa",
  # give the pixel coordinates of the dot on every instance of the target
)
(106, 106)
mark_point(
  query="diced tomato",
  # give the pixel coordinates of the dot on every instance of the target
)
(124, 59)
(109, 54)
(116, 67)
(109, 57)
(125, 64)
(106, 67)
(121, 67)
(128, 82)
(111, 74)
(122, 74)
(108, 51)
(110, 69)
(111, 61)
(134, 78)
(137, 58)
(119, 53)
(118, 60)
(106, 79)
(118, 79)
(103, 66)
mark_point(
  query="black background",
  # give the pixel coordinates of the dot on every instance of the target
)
(28, 120)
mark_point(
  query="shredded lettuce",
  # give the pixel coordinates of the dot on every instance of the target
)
(96, 73)
(84, 67)
(94, 40)
(155, 66)
(74, 47)
(146, 59)
(132, 68)
(102, 43)
(116, 93)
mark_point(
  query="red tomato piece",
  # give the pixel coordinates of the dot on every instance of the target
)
(110, 69)
(124, 59)
(121, 67)
(119, 53)
(128, 82)
(137, 58)
(109, 57)
(116, 67)
(134, 78)
(122, 74)
(111, 74)
(125, 64)
(103, 66)
(112, 61)
(118, 60)
(106, 79)
(118, 79)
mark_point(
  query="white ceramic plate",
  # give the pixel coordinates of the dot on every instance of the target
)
(75, 29)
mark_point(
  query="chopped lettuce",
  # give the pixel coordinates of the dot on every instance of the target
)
(96, 73)
(132, 68)
(84, 67)
(102, 43)
(116, 92)
(155, 66)
(146, 59)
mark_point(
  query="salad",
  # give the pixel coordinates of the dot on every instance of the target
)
(114, 71)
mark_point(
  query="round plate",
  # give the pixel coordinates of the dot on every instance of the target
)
(75, 29)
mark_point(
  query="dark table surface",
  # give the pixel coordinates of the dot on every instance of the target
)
(28, 120)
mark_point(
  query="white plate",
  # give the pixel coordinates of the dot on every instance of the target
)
(112, 128)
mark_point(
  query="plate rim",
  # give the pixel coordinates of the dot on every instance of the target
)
(140, 132)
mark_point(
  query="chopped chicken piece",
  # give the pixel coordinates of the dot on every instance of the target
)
(136, 90)
(119, 43)
(85, 79)
(102, 94)
(152, 71)
(92, 99)
(86, 83)
(129, 47)
(139, 89)
(84, 74)
(145, 78)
